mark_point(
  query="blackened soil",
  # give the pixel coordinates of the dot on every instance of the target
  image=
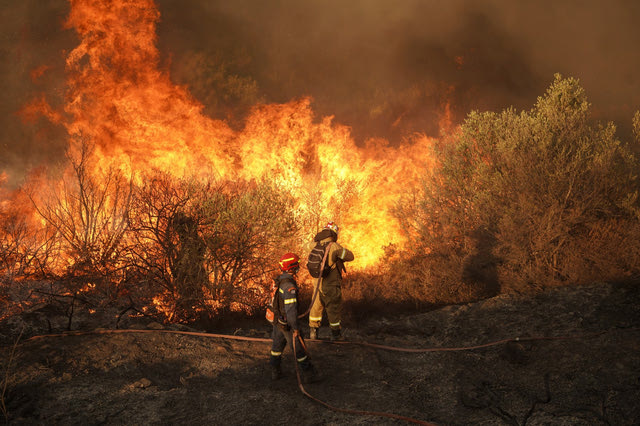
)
(587, 374)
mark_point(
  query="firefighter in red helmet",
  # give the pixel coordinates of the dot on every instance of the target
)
(286, 327)
(329, 294)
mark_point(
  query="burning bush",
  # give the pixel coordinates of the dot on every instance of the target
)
(205, 248)
(26, 250)
(25, 247)
(87, 210)
(188, 247)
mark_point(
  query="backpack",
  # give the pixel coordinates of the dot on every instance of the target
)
(318, 259)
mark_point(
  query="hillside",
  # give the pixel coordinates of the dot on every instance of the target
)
(588, 374)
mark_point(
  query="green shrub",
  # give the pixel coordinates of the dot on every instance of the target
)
(519, 200)
(246, 227)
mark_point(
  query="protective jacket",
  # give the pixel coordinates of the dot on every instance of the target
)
(287, 322)
(287, 298)
(330, 293)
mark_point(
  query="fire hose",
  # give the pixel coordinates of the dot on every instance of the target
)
(373, 345)
(343, 410)
(319, 283)
(296, 337)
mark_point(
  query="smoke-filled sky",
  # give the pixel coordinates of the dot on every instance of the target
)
(386, 68)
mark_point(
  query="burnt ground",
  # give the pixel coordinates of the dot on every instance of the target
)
(155, 378)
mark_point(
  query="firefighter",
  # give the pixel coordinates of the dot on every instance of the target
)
(286, 328)
(329, 296)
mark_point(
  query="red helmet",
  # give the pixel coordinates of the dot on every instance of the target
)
(289, 262)
(332, 226)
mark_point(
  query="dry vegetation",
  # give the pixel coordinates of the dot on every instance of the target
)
(518, 203)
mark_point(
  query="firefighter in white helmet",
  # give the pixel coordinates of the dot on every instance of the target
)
(329, 295)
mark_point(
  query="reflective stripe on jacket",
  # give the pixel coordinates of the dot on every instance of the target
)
(288, 299)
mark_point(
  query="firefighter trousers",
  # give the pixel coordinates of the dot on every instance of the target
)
(281, 337)
(329, 299)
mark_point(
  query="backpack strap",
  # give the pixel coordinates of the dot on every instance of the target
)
(315, 293)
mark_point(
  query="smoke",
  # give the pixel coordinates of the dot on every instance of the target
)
(32, 41)
(385, 68)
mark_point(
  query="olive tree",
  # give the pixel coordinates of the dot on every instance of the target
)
(246, 228)
(527, 199)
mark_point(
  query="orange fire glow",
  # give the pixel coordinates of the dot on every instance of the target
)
(121, 100)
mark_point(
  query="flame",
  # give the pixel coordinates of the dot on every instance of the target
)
(121, 100)
(163, 306)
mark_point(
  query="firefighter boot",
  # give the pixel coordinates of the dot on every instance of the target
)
(310, 374)
(276, 372)
(336, 335)
(313, 333)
